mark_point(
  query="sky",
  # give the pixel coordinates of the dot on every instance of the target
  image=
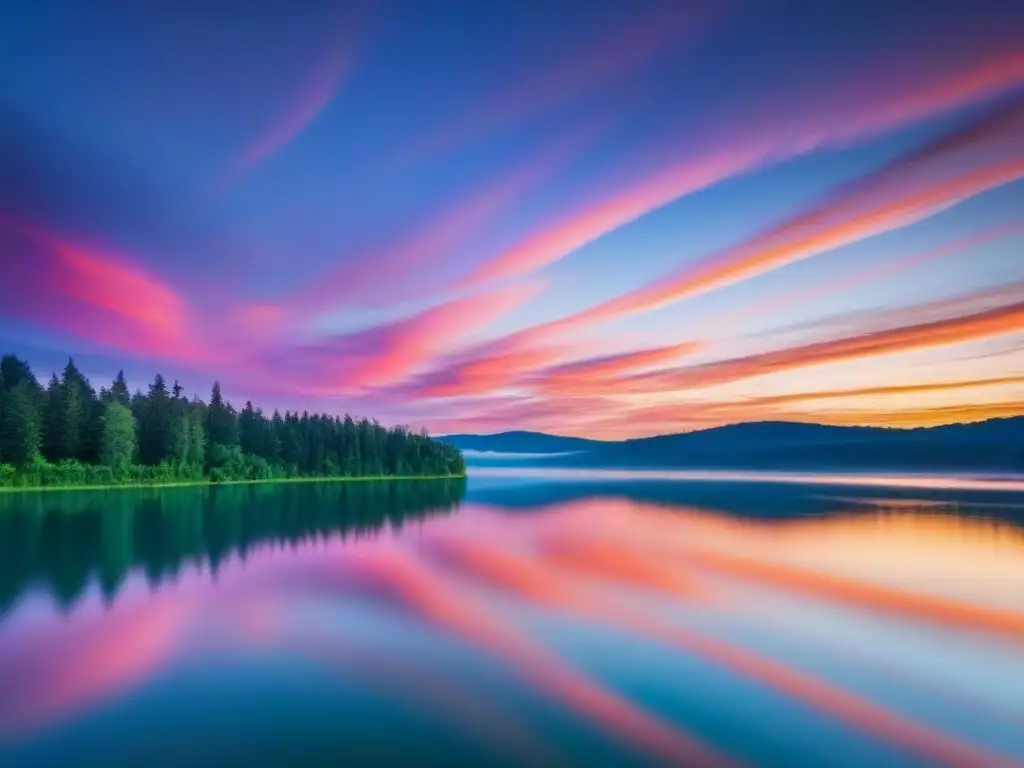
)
(593, 218)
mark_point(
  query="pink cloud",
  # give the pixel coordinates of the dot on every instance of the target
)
(386, 354)
(768, 140)
(383, 275)
(900, 193)
(324, 82)
(96, 294)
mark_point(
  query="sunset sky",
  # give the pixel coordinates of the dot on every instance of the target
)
(599, 218)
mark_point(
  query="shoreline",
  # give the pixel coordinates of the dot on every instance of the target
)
(208, 483)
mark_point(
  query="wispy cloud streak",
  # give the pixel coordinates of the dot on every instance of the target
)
(763, 147)
(993, 322)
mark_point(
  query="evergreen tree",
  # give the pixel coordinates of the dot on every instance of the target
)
(118, 446)
(79, 420)
(19, 428)
(155, 424)
(249, 429)
(197, 439)
(14, 371)
(119, 390)
(179, 437)
(221, 425)
(53, 420)
(275, 444)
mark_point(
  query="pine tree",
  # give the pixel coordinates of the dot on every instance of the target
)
(221, 424)
(155, 424)
(53, 420)
(14, 371)
(19, 427)
(275, 442)
(248, 429)
(119, 390)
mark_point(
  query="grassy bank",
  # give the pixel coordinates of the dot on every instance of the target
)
(206, 482)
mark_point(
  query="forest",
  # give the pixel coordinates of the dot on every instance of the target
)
(67, 434)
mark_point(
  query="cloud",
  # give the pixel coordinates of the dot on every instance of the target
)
(824, 407)
(919, 417)
(93, 293)
(565, 379)
(888, 199)
(901, 192)
(322, 85)
(508, 362)
(400, 267)
(386, 354)
(767, 142)
(474, 375)
(985, 324)
(846, 282)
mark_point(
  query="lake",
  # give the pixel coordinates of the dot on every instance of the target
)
(518, 618)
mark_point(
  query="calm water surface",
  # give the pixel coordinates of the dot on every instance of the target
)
(527, 619)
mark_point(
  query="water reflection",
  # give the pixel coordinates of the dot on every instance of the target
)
(546, 623)
(59, 541)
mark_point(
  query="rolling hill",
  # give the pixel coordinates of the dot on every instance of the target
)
(995, 445)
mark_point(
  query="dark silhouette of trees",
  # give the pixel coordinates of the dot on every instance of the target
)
(68, 434)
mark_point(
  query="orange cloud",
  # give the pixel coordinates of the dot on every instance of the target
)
(919, 417)
(896, 389)
(992, 322)
(707, 414)
(564, 378)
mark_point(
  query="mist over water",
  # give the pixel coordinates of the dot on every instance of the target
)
(523, 617)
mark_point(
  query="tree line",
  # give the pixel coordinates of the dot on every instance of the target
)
(68, 434)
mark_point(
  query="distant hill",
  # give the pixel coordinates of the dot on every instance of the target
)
(521, 442)
(993, 446)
